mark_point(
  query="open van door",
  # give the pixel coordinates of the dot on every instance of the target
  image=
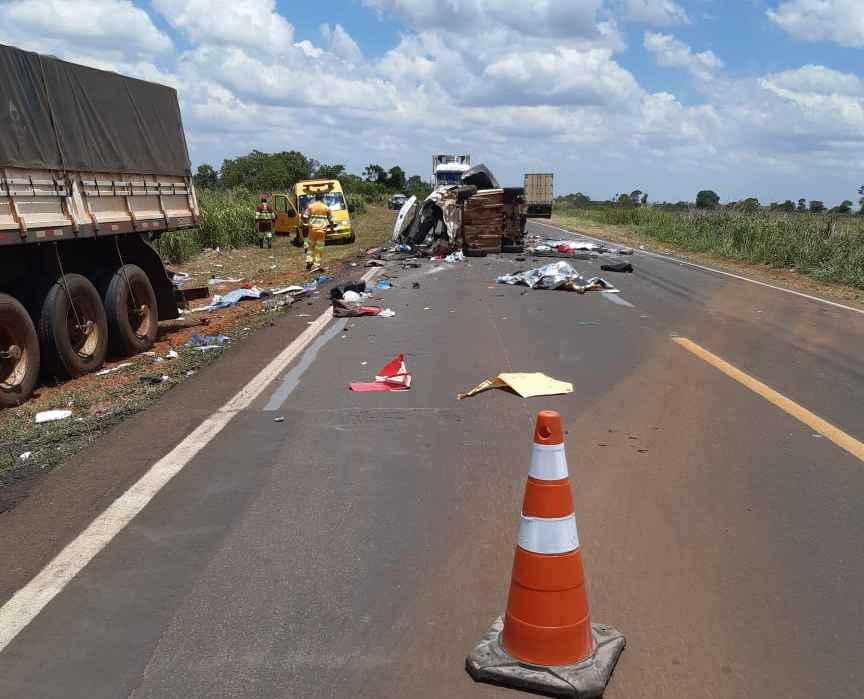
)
(287, 220)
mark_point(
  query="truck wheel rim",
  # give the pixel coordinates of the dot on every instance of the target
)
(13, 369)
(83, 328)
(140, 315)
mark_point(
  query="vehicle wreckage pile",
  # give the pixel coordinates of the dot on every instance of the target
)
(477, 216)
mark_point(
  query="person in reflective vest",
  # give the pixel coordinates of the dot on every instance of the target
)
(264, 217)
(316, 219)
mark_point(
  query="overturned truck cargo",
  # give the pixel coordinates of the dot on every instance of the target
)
(93, 166)
(476, 216)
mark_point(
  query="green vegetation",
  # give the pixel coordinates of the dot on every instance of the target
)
(227, 197)
(828, 247)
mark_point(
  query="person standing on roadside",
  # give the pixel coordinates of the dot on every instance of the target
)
(264, 217)
(316, 219)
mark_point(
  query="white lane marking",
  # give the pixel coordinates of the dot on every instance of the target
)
(31, 599)
(716, 271)
(615, 298)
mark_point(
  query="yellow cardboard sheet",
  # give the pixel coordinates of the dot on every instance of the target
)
(527, 385)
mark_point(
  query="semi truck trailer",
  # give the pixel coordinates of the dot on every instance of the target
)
(94, 167)
(539, 194)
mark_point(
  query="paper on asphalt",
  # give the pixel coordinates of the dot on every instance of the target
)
(527, 385)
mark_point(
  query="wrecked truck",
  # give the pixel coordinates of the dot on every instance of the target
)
(476, 216)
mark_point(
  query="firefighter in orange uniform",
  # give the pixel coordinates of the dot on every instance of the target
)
(264, 217)
(316, 219)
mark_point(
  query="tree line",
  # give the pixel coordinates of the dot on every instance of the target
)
(708, 199)
(279, 172)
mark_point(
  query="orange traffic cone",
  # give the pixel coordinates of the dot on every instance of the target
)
(547, 623)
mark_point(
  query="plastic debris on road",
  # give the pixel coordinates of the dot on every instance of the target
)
(351, 297)
(234, 297)
(103, 372)
(52, 415)
(207, 341)
(384, 284)
(394, 376)
(338, 292)
(318, 281)
(617, 267)
(527, 385)
(345, 309)
(557, 275)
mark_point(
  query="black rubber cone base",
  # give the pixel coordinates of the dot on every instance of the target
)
(490, 663)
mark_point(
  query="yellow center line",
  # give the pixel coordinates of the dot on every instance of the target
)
(799, 412)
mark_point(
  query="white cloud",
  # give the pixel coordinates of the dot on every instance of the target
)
(563, 77)
(90, 27)
(657, 12)
(253, 24)
(530, 17)
(525, 85)
(841, 21)
(817, 80)
(340, 42)
(672, 53)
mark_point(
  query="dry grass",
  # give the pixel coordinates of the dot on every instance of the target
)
(635, 236)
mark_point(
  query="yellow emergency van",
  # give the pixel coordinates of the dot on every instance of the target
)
(289, 208)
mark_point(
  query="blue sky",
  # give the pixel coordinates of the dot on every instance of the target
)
(748, 97)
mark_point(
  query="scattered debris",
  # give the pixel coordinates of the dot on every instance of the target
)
(25, 456)
(527, 385)
(374, 263)
(154, 380)
(215, 281)
(557, 275)
(234, 297)
(415, 285)
(279, 419)
(384, 284)
(207, 341)
(103, 372)
(178, 279)
(52, 415)
(343, 308)
(394, 376)
(338, 292)
(617, 267)
(172, 354)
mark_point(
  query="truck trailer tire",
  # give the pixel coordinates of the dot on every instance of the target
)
(133, 318)
(73, 336)
(19, 345)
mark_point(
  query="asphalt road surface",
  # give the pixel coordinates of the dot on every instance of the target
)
(361, 547)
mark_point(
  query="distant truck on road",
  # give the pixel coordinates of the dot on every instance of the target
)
(539, 195)
(93, 168)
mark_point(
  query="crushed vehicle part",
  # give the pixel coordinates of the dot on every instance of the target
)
(481, 177)
(406, 216)
(556, 275)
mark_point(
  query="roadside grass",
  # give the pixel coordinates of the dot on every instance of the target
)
(100, 402)
(827, 248)
(228, 222)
